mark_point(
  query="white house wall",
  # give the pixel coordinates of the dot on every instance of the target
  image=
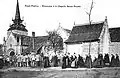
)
(114, 48)
(64, 34)
(18, 49)
(92, 48)
(74, 48)
(83, 49)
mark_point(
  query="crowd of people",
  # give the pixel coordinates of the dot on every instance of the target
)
(98, 62)
(30, 60)
(65, 61)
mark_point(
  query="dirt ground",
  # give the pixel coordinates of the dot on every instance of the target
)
(88, 73)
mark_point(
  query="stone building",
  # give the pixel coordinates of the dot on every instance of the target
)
(114, 47)
(64, 33)
(82, 39)
(18, 41)
(89, 39)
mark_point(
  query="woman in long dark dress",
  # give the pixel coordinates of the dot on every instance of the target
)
(55, 61)
(68, 64)
(106, 60)
(117, 61)
(113, 61)
(45, 62)
(88, 61)
(100, 61)
(63, 62)
(95, 62)
(80, 62)
(1, 62)
(74, 61)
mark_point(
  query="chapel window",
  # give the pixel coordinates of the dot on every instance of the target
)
(10, 45)
(17, 40)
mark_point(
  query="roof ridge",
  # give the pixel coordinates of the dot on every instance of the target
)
(114, 27)
(88, 23)
(64, 28)
(86, 32)
(20, 34)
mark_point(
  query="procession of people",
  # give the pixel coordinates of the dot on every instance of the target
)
(65, 61)
(78, 61)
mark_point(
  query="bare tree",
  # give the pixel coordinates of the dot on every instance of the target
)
(89, 14)
(90, 11)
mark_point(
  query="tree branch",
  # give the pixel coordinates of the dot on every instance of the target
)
(91, 8)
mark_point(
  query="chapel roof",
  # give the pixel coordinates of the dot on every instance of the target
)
(28, 41)
(38, 42)
(85, 33)
(114, 34)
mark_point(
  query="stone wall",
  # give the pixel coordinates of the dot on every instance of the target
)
(83, 49)
(11, 43)
(114, 48)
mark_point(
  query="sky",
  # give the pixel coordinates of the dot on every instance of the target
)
(41, 19)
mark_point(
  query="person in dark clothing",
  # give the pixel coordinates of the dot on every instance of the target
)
(74, 61)
(113, 61)
(95, 62)
(106, 60)
(1, 62)
(100, 60)
(46, 61)
(80, 62)
(68, 64)
(55, 60)
(117, 61)
(64, 62)
(71, 58)
(88, 61)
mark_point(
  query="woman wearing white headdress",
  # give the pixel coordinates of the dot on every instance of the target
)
(73, 64)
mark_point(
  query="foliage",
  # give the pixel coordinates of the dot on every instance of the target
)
(55, 41)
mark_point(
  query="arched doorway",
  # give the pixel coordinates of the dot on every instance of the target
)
(12, 53)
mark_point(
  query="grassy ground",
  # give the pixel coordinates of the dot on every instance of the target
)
(94, 73)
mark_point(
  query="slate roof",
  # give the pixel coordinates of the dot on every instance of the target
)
(85, 33)
(28, 41)
(114, 34)
(38, 41)
(20, 27)
(1, 49)
(17, 22)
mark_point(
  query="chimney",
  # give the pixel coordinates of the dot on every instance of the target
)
(33, 40)
(33, 34)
